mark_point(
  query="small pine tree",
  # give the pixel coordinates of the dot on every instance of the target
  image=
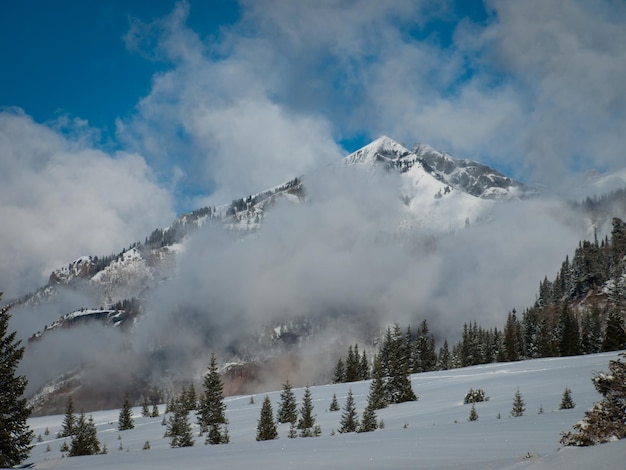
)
(179, 428)
(566, 401)
(155, 411)
(307, 419)
(145, 408)
(85, 440)
(473, 416)
(349, 416)
(15, 434)
(125, 420)
(368, 420)
(212, 411)
(334, 405)
(266, 428)
(293, 431)
(518, 405)
(287, 407)
(69, 421)
(146, 445)
(540, 411)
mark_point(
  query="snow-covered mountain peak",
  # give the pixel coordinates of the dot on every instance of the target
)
(382, 149)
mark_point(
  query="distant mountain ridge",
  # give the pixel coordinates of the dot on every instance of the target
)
(436, 192)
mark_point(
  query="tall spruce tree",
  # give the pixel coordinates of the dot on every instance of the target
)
(306, 423)
(85, 440)
(69, 421)
(15, 434)
(287, 407)
(266, 427)
(615, 335)
(377, 397)
(212, 410)
(349, 417)
(125, 420)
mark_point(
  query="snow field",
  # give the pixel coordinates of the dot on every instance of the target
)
(431, 433)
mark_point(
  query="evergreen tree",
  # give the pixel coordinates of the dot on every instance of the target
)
(15, 434)
(349, 417)
(377, 397)
(606, 420)
(190, 399)
(145, 408)
(125, 420)
(155, 411)
(287, 407)
(69, 421)
(178, 427)
(615, 335)
(591, 332)
(473, 416)
(368, 421)
(513, 338)
(212, 411)
(518, 405)
(306, 423)
(569, 334)
(266, 428)
(352, 364)
(443, 360)
(334, 405)
(339, 375)
(85, 440)
(364, 367)
(566, 401)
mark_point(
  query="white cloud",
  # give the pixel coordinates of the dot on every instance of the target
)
(61, 199)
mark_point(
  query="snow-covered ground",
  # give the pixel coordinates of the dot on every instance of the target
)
(432, 433)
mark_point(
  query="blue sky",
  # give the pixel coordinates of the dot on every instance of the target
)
(138, 110)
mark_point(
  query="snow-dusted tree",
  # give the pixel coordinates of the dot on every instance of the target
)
(15, 434)
(566, 401)
(444, 358)
(475, 396)
(189, 397)
(266, 427)
(606, 420)
(125, 420)
(377, 397)
(473, 416)
(287, 407)
(615, 334)
(179, 428)
(145, 408)
(368, 420)
(334, 405)
(85, 440)
(349, 416)
(212, 411)
(155, 411)
(306, 423)
(69, 421)
(364, 367)
(518, 405)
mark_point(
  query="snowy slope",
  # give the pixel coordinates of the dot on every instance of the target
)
(431, 433)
